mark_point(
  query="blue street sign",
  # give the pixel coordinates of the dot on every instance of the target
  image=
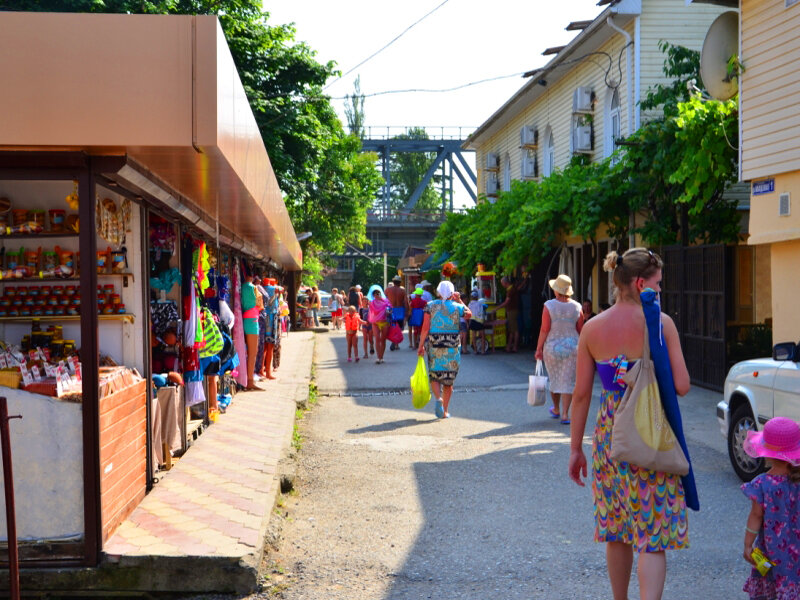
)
(765, 186)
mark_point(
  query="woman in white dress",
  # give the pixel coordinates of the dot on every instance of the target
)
(562, 321)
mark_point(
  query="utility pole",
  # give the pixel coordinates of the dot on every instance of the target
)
(385, 282)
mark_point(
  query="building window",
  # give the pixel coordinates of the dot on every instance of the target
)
(614, 124)
(549, 153)
(507, 173)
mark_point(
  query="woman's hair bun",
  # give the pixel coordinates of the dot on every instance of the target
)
(611, 261)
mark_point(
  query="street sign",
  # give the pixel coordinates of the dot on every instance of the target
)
(765, 186)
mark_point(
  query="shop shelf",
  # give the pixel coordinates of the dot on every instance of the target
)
(57, 279)
(54, 319)
(34, 236)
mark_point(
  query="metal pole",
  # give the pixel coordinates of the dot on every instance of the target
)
(385, 282)
(11, 519)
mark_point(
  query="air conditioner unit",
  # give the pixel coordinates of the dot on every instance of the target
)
(492, 184)
(583, 138)
(530, 166)
(492, 161)
(582, 100)
(528, 136)
(784, 205)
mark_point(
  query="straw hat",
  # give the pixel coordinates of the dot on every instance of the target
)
(779, 439)
(562, 285)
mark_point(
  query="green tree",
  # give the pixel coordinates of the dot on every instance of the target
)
(354, 110)
(367, 272)
(408, 169)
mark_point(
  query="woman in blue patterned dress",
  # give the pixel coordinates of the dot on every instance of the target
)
(634, 508)
(441, 337)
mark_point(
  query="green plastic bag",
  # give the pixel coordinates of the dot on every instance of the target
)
(420, 386)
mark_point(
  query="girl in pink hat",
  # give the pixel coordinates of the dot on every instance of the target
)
(773, 525)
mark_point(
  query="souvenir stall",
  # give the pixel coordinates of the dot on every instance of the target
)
(495, 330)
(49, 252)
(105, 204)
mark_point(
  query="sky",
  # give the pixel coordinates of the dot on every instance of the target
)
(461, 42)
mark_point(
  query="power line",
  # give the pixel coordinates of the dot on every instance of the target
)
(374, 54)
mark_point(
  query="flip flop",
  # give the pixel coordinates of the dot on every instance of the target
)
(439, 409)
(565, 421)
(554, 414)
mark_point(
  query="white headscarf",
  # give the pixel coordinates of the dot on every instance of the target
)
(445, 289)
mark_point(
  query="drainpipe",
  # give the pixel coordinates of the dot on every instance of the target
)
(631, 108)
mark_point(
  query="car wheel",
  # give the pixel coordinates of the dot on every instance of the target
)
(746, 466)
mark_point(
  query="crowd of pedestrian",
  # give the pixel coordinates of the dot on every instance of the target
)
(637, 509)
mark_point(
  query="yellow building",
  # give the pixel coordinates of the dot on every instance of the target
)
(770, 146)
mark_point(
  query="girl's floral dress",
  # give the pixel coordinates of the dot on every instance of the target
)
(779, 538)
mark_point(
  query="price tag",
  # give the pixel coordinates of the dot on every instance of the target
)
(59, 388)
(62, 367)
(26, 375)
(48, 370)
(36, 375)
(45, 354)
(3, 361)
(71, 364)
(78, 372)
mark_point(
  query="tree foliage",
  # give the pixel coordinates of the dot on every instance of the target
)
(327, 184)
(354, 110)
(673, 172)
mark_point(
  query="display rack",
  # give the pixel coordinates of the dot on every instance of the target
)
(55, 318)
(34, 236)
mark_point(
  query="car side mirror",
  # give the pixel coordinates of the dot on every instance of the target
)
(784, 351)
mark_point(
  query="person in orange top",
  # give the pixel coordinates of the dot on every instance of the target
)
(351, 324)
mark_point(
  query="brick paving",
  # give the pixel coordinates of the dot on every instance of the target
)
(216, 501)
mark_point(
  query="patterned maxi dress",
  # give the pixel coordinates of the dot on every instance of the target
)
(646, 509)
(444, 342)
(561, 346)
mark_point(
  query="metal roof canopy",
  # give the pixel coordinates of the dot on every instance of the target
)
(161, 90)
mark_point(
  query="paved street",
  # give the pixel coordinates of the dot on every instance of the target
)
(392, 503)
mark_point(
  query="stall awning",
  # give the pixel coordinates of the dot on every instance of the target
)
(434, 262)
(161, 90)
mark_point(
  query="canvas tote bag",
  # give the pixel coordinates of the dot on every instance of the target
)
(538, 384)
(641, 434)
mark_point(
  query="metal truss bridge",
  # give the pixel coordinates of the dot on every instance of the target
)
(446, 142)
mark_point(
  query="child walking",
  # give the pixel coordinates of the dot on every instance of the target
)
(351, 324)
(773, 525)
(366, 328)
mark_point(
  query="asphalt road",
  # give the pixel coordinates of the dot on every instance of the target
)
(394, 504)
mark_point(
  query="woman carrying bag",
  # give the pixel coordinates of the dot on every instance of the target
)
(441, 337)
(635, 508)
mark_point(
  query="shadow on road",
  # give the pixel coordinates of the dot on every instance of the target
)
(392, 425)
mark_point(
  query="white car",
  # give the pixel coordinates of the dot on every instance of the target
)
(755, 391)
(323, 312)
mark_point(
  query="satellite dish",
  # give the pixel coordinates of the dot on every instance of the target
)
(722, 42)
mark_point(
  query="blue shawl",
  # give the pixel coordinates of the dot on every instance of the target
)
(666, 387)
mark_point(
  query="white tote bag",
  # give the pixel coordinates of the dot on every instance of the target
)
(537, 386)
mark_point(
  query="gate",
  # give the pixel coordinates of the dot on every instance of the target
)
(693, 292)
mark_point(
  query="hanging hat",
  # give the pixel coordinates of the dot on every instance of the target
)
(779, 439)
(562, 285)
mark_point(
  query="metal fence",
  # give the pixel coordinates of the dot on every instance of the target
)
(388, 132)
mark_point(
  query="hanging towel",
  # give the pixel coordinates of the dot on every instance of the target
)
(666, 386)
(238, 325)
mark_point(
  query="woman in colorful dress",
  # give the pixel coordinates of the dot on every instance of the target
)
(562, 321)
(635, 509)
(442, 338)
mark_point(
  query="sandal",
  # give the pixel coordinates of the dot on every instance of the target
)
(565, 421)
(439, 409)
(554, 414)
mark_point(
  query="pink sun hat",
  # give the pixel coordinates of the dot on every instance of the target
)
(779, 439)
